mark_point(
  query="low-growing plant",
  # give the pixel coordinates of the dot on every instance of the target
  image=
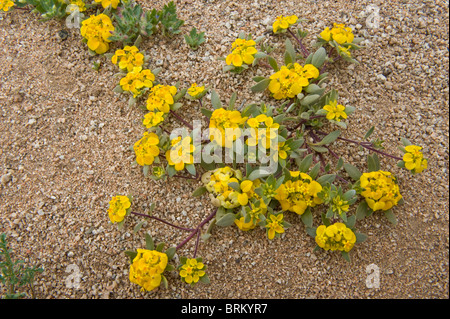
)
(257, 163)
(194, 39)
(14, 274)
(132, 22)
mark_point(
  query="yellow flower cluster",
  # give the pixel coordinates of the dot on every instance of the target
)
(75, 5)
(96, 30)
(263, 129)
(221, 194)
(5, 5)
(192, 271)
(118, 208)
(147, 268)
(107, 3)
(274, 225)
(146, 149)
(380, 190)
(414, 160)
(128, 58)
(335, 111)
(290, 80)
(339, 33)
(153, 119)
(195, 90)
(243, 52)
(298, 194)
(160, 98)
(339, 205)
(335, 237)
(282, 23)
(181, 153)
(136, 80)
(254, 211)
(221, 120)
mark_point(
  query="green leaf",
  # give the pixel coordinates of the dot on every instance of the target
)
(149, 244)
(349, 194)
(314, 171)
(118, 89)
(346, 256)
(369, 132)
(199, 191)
(290, 50)
(232, 101)
(405, 141)
(305, 164)
(360, 237)
(373, 163)
(311, 231)
(310, 99)
(138, 227)
(131, 254)
(325, 220)
(339, 164)
(362, 210)
(319, 57)
(391, 216)
(351, 221)
(164, 282)
(307, 218)
(235, 186)
(206, 112)
(352, 171)
(273, 63)
(191, 169)
(215, 100)
(205, 279)
(325, 179)
(170, 252)
(160, 247)
(260, 86)
(226, 220)
(258, 173)
(319, 149)
(329, 138)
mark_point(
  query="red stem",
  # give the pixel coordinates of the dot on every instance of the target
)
(163, 221)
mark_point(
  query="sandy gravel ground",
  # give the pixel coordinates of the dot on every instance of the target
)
(65, 140)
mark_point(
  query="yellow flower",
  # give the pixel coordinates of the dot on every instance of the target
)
(380, 190)
(220, 121)
(137, 81)
(195, 90)
(282, 23)
(152, 119)
(128, 58)
(75, 5)
(147, 268)
(97, 30)
(146, 149)
(274, 225)
(243, 52)
(5, 5)
(297, 195)
(342, 34)
(335, 111)
(160, 98)
(221, 194)
(335, 237)
(107, 3)
(339, 205)
(263, 129)
(414, 160)
(192, 270)
(118, 208)
(181, 153)
(290, 80)
(242, 225)
(339, 33)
